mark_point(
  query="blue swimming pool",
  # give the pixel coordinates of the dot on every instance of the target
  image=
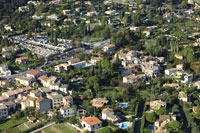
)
(152, 128)
(124, 105)
(124, 125)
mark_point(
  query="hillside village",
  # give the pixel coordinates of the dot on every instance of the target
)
(100, 66)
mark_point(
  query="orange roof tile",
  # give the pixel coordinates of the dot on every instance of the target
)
(33, 72)
(39, 99)
(74, 59)
(91, 120)
(21, 58)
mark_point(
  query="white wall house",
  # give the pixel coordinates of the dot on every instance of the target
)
(3, 111)
(66, 111)
(91, 123)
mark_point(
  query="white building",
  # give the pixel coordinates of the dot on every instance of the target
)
(109, 48)
(108, 114)
(171, 71)
(4, 71)
(53, 17)
(3, 111)
(66, 111)
(91, 123)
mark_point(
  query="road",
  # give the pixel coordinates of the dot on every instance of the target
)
(139, 116)
(185, 123)
(48, 125)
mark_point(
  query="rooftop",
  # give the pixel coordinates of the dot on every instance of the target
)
(91, 121)
(33, 72)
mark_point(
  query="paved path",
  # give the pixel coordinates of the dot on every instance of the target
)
(139, 116)
(37, 130)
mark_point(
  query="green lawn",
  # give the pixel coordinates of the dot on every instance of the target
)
(22, 127)
(59, 128)
(13, 130)
(63, 128)
(11, 123)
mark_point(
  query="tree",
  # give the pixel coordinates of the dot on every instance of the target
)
(74, 108)
(105, 130)
(125, 19)
(150, 117)
(161, 111)
(174, 126)
(17, 115)
(55, 39)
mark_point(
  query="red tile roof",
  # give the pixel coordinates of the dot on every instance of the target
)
(91, 120)
(39, 99)
(33, 72)
(74, 59)
(21, 58)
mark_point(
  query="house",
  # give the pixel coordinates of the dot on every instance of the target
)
(65, 12)
(171, 71)
(160, 59)
(8, 49)
(187, 78)
(178, 56)
(61, 67)
(134, 28)
(43, 105)
(45, 91)
(10, 94)
(35, 93)
(52, 17)
(53, 83)
(31, 119)
(74, 60)
(25, 101)
(111, 12)
(3, 99)
(68, 100)
(22, 60)
(164, 120)
(4, 83)
(151, 68)
(109, 48)
(91, 123)
(146, 33)
(92, 13)
(197, 84)
(108, 114)
(34, 74)
(3, 111)
(94, 59)
(7, 55)
(26, 81)
(179, 66)
(195, 109)
(4, 71)
(157, 104)
(172, 86)
(23, 8)
(37, 17)
(56, 99)
(11, 106)
(8, 27)
(99, 102)
(182, 97)
(133, 78)
(66, 111)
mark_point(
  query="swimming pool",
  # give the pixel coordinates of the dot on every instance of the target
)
(151, 127)
(124, 125)
(124, 105)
